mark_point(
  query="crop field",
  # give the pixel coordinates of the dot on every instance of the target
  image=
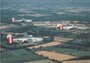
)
(20, 55)
(68, 51)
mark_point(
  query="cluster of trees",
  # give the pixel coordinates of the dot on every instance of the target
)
(85, 37)
(7, 14)
(43, 31)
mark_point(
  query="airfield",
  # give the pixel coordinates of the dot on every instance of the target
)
(65, 48)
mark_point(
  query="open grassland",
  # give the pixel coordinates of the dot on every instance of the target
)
(20, 55)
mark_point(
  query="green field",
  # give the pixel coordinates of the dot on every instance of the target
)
(3, 24)
(19, 55)
(77, 53)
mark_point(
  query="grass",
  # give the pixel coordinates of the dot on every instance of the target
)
(69, 51)
(10, 46)
(3, 24)
(19, 55)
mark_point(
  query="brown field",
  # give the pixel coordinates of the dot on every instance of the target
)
(58, 41)
(42, 61)
(54, 56)
(45, 45)
(3, 27)
(77, 61)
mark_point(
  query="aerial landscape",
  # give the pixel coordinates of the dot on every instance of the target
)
(45, 31)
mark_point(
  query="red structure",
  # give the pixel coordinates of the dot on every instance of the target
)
(9, 38)
(60, 26)
(13, 20)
